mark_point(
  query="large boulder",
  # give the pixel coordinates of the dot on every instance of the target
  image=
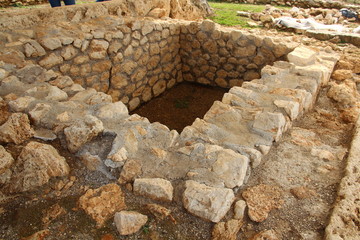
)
(36, 164)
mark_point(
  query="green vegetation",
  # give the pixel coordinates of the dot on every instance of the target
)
(225, 13)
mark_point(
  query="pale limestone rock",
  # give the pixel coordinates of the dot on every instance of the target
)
(51, 61)
(302, 56)
(261, 199)
(21, 103)
(271, 124)
(56, 94)
(110, 111)
(69, 52)
(82, 132)
(129, 66)
(130, 171)
(62, 82)
(98, 49)
(3, 74)
(102, 203)
(291, 108)
(226, 230)
(30, 73)
(83, 96)
(35, 166)
(129, 222)
(155, 188)
(6, 160)
(73, 89)
(16, 129)
(38, 113)
(98, 98)
(239, 209)
(147, 28)
(34, 49)
(66, 40)
(50, 43)
(134, 103)
(207, 202)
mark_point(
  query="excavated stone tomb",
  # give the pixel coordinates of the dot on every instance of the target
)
(76, 83)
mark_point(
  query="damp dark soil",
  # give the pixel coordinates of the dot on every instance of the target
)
(181, 105)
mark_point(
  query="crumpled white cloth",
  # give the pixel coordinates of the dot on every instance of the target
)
(307, 24)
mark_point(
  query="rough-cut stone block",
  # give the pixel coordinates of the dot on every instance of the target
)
(6, 160)
(207, 202)
(302, 56)
(129, 222)
(82, 132)
(156, 188)
(270, 123)
(35, 166)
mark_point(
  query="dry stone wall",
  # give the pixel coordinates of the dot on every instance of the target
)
(300, 3)
(136, 60)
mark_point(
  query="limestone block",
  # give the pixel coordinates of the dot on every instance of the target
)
(114, 47)
(129, 66)
(302, 56)
(51, 61)
(34, 49)
(159, 87)
(98, 49)
(69, 52)
(6, 160)
(102, 66)
(83, 96)
(130, 171)
(82, 132)
(147, 28)
(50, 43)
(39, 112)
(291, 108)
(56, 94)
(344, 93)
(16, 129)
(134, 103)
(129, 222)
(342, 74)
(207, 202)
(113, 111)
(36, 164)
(102, 203)
(21, 103)
(62, 82)
(155, 188)
(239, 209)
(271, 123)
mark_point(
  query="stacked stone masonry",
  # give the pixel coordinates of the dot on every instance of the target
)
(234, 135)
(136, 60)
(300, 3)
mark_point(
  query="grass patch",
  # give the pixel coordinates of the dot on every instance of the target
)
(225, 13)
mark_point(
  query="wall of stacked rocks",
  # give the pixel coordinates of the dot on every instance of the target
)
(299, 3)
(136, 60)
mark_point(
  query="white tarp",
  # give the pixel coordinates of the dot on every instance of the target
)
(307, 24)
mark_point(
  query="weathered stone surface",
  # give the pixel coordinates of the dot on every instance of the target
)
(56, 94)
(98, 49)
(34, 49)
(82, 132)
(69, 52)
(30, 73)
(16, 129)
(51, 61)
(158, 211)
(226, 230)
(341, 74)
(159, 88)
(239, 209)
(270, 124)
(4, 112)
(39, 112)
(129, 222)
(155, 188)
(345, 93)
(50, 43)
(62, 82)
(6, 160)
(130, 171)
(102, 203)
(207, 202)
(113, 111)
(261, 199)
(35, 166)
(302, 56)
